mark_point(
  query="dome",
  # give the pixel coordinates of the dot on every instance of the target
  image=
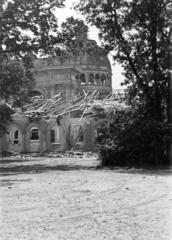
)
(94, 56)
(88, 71)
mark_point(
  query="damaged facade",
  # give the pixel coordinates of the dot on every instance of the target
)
(72, 76)
(41, 135)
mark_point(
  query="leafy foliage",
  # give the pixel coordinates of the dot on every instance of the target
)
(15, 79)
(130, 139)
(138, 32)
(5, 116)
(74, 39)
(28, 28)
(74, 32)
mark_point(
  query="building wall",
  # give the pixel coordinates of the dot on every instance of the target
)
(87, 140)
(2, 144)
(12, 142)
(67, 76)
(55, 75)
(24, 135)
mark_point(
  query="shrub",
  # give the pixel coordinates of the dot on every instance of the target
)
(131, 139)
(5, 116)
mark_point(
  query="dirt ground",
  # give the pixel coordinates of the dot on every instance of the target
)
(68, 198)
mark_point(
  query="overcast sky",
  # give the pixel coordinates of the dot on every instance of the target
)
(63, 13)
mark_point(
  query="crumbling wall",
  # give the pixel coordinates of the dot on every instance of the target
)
(54, 134)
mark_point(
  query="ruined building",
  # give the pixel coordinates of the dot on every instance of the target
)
(69, 76)
(72, 74)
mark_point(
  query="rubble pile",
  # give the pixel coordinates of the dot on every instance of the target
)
(84, 105)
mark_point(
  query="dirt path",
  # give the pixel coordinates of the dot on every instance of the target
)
(70, 199)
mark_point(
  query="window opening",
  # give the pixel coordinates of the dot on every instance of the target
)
(97, 77)
(52, 136)
(82, 79)
(103, 79)
(91, 79)
(16, 137)
(55, 134)
(78, 133)
(34, 134)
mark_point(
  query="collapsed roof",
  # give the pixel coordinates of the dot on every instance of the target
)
(80, 105)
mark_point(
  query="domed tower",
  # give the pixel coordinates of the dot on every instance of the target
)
(88, 71)
(96, 73)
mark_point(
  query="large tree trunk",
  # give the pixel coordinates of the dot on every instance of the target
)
(169, 109)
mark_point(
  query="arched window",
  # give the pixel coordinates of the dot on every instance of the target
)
(16, 137)
(78, 133)
(97, 78)
(82, 78)
(91, 79)
(34, 134)
(103, 79)
(55, 134)
(108, 79)
(52, 135)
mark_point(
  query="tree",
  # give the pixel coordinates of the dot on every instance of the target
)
(28, 28)
(129, 140)
(75, 42)
(5, 116)
(138, 32)
(73, 35)
(15, 79)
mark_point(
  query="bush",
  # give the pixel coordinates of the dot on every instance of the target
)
(5, 117)
(131, 139)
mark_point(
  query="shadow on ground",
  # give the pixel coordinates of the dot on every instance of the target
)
(21, 166)
(39, 168)
(167, 170)
(10, 182)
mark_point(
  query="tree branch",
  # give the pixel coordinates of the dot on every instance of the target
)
(124, 43)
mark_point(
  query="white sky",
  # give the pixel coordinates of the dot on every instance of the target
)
(63, 13)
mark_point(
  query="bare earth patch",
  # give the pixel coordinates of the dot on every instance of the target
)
(68, 198)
